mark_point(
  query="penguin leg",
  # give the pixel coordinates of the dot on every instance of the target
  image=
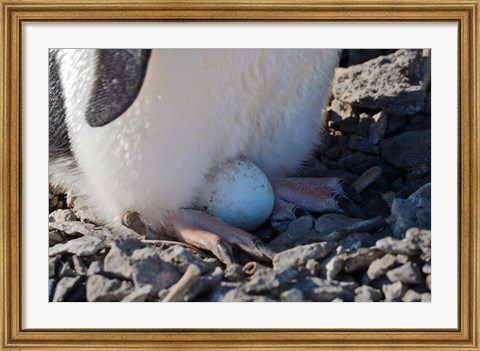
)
(206, 232)
(320, 195)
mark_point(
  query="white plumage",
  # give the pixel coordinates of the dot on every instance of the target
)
(196, 109)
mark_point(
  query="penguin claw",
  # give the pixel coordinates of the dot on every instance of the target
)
(206, 232)
(318, 195)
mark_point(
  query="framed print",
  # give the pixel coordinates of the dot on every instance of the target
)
(282, 157)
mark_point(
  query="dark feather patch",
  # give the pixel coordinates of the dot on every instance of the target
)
(119, 77)
(59, 142)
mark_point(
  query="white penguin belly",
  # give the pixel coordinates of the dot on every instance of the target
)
(195, 110)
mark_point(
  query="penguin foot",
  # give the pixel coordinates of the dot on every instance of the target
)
(319, 195)
(206, 232)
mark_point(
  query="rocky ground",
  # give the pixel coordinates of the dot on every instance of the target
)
(378, 128)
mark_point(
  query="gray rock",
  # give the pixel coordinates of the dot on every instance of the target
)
(239, 295)
(56, 237)
(279, 227)
(422, 197)
(366, 293)
(332, 222)
(429, 281)
(362, 144)
(408, 150)
(409, 273)
(182, 257)
(102, 289)
(147, 268)
(420, 240)
(267, 280)
(363, 125)
(313, 267)
(95, 267)
(378, 127)
(321, 290)
(394, 291)
(66, 270)
(341, 109)
(84, 246)
(380, 266)
(426, 297)
(79, 265)
(52, 283)
(138, 295)
(62, 216)
(65, 286)
(334, 266)
(361, 259)
(233, 272)
(427, 268)
(116, 261)
(300, 255)
(391, 83)
(292, 295)
(72, 228)
(412, 296)
(205, 283)
(53, 263)
(394, 246)
(297, 231)
(403, 216)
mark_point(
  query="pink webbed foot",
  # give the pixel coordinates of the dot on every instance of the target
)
(318, 195)
(206, 232)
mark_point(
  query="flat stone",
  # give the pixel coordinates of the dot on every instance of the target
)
(394, 246)
(95, 267)
(420, 239)
(366, 293)
(378, 126)
(238, 295)
(79, 265)
(266, 279)
(412, 296)
(429, 281)
(300, 255)
(313, 267)
(102, 289)
(149, 269)
(408, 150)
(83, 246)
(292, 295)
(65, 286)
(116, 261)
(66, 270)
(392, 83)
(331, 222)
(72, 228)
(361, 259)
(334, 266)
(422, 197)
(427, 268)
(52, 283)
(297, 231)
(62, 216)
(380, 266)
(394, 291)
(409, 273)
(362, 144)
(403, 216)
(182, 257)
(138, 295)
(321, 290)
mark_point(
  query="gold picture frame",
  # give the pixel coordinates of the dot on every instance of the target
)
(465, 13)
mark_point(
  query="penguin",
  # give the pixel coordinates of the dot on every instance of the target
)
(136, 131)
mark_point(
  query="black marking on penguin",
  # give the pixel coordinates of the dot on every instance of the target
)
(119, 78)
(59, 140)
